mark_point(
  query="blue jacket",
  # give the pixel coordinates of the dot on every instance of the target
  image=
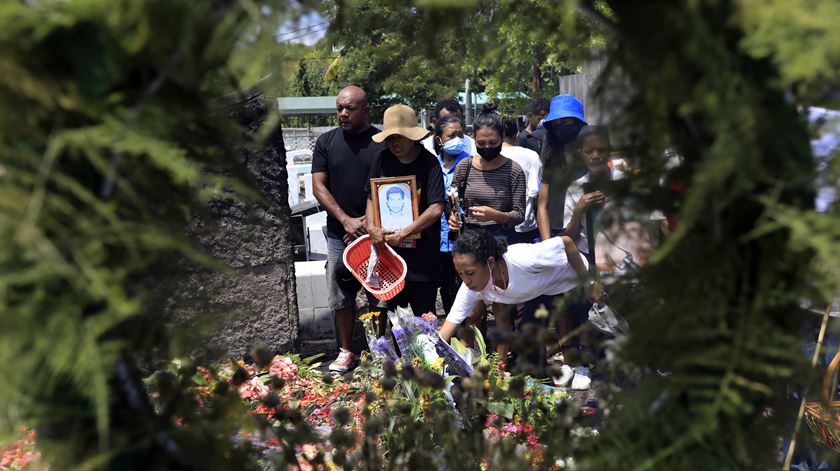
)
(446, 244)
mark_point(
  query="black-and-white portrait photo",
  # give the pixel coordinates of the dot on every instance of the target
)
(395, 211)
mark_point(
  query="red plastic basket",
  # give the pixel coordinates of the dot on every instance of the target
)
(392, 268)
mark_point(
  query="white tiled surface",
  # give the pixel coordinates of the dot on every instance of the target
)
(317, 241)
(315, 316)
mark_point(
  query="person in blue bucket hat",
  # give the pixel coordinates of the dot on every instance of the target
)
(563, 122)
(564, 106)
(565, 118)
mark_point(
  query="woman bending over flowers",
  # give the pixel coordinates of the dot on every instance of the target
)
(533, 274)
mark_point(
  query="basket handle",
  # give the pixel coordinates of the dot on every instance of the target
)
(830, 382)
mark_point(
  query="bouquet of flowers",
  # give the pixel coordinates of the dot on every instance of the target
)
(417, 337)
(380, 347)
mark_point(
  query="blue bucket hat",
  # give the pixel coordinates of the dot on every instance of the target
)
(565, 106)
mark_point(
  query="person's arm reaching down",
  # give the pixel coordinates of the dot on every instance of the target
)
(594, 290)
(465, 301)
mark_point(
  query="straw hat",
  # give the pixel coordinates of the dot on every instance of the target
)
(400, 119)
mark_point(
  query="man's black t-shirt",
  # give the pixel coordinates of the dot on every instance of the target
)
(346, 159)
(532, 140)
(423, 260)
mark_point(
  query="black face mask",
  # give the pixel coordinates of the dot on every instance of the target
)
(566, 133)
(490, 153)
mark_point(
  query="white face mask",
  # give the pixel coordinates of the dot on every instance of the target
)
(454, 146)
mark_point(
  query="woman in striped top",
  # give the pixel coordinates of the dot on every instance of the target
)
(492, 189)
(491, 186)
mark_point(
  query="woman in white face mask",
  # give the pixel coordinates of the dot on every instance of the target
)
(533, 274)
(452, 149)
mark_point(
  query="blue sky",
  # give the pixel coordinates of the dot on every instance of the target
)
(309, 29)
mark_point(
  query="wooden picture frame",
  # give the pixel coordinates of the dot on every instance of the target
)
(391, 202)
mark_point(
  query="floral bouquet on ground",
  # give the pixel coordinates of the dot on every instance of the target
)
(380, 346)
(417, 337)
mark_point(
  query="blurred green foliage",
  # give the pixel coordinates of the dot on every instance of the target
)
(111, 143)
(720, 312)
(110, 146)
(421, 53)
(801, 38)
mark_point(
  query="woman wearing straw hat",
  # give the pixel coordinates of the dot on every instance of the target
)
(406, 156)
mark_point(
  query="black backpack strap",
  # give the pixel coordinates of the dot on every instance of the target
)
(462, 188)
(590, 239)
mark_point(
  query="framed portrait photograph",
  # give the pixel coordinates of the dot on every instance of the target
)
(395, 202)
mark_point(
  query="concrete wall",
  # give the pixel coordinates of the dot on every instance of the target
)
(304, 138)
(253, 300)
(316, 317)
(603, 96)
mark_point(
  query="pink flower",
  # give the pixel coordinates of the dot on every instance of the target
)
(532, 441)
(283, 368)
(253, 390)
(511, 428)
(431, 318)
(20, 453)
(206, 374)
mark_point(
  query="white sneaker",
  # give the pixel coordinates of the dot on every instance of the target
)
(344, 363)
(576, 379)
(565, 378)
(580, 383)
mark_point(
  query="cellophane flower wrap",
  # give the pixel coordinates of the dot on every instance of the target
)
(418, 337)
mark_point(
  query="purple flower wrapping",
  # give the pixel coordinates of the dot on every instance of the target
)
(383, 347)
(457, 365)
(418, 326)
(403, 341)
